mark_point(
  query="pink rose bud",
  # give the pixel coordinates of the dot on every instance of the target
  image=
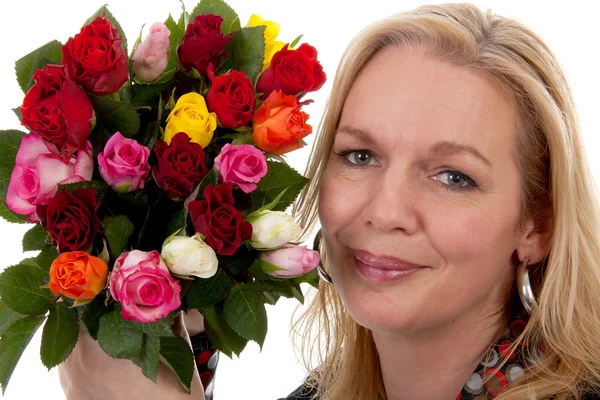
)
(290, 261)
(40, 169)
(243, 165)
(124, 164)
(141, 282)
(150, 58)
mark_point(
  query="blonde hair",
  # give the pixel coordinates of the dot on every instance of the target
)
(555, 179)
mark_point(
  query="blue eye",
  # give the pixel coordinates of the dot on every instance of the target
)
(356, 158)
(454, 180)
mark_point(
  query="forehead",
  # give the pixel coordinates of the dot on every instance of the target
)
(403, 94)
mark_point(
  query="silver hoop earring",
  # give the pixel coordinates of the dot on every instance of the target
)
(324, 275)
(320, 270)
(524, 287)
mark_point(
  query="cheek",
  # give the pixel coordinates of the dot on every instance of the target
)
(339, 202)
(479, 235)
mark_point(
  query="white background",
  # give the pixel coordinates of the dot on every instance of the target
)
(570, 28)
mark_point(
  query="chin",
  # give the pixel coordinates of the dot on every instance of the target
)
(392, 307)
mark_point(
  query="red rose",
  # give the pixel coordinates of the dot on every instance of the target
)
(57, 109)
(71, 219)
(180, 166)
(219, 221)
(203, 43)
(95, 58)
(292, 71)
(231, 97)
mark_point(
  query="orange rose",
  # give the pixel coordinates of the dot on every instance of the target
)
(279, 125)
(78, 275)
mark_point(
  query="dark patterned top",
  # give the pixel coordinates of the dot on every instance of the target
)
(207, 358)
(486, 382)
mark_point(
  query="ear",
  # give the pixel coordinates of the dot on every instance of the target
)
(534, 243)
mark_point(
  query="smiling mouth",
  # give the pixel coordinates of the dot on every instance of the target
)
(383, 269)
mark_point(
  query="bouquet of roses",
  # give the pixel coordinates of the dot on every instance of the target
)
(156, 185)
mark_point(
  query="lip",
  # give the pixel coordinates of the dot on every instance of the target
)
(383, 269)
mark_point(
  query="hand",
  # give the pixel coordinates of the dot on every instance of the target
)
(90, 374)
(194, 322)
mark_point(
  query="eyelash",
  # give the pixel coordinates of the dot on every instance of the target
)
(345, 153)
(472, 184)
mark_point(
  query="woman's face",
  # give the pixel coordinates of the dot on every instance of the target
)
(420, 199)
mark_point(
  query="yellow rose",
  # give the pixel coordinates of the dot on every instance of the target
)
(272, 46)
(190, 115)
(270, 51)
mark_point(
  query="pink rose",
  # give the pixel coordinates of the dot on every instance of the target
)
(39, 169)
(141, 282)
(150, 58)
(124, 163)
(243, 165)
(290, 261)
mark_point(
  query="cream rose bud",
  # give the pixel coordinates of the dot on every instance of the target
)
(190, 256)
(271, 229)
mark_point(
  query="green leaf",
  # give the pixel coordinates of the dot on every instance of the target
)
(298, 295)
(17, 111)
(20, 289)
(279, 177)
(39, 63)
(162, 327)
(136, 199)
(119, 338)
(10, 216)
(5, 174)
(270, 298)
(13, 343)
(256, 271)
(178, 356)
(176, 222)
(116, 116)
(151, 134)
(8, 316)
(10, 141)
(24, 66)
(117, 233)
(100, 187)
(242, 138)
(231, 21)
(206, 292)
(143, 92)
(44, 260)
(104, 10)
(295, 42)
(267, 267)
(220, 333)
(280, 288)
(246, 52)
(90, 319)
(149, 357)
(177, 30)
(35, 238)
(311, 277)
(241, 261)
(59, 335)
(246, 314)
(209, 179)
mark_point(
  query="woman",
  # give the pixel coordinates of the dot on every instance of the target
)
(451, 185)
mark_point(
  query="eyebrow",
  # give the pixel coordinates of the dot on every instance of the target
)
(361, 134)
(440, 149)
(446, 149)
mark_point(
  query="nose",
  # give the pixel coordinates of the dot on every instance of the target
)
(392, 204)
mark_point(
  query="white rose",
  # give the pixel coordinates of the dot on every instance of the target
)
(190, 256)
(271, 229)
